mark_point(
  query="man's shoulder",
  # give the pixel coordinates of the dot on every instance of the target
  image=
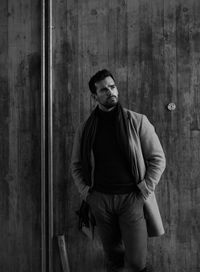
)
(137, 117)
(139, 120)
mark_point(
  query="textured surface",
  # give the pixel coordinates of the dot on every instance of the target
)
(20, 136)
(153, 49)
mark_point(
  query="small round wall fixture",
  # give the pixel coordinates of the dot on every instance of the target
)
(171, 106)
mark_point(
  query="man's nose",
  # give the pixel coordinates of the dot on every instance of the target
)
(109, 91)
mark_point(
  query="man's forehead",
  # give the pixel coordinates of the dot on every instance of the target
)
(105, 82)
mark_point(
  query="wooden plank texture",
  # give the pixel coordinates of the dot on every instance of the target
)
(20, 136)
(153, 49)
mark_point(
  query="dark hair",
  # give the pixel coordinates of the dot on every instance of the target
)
(100, 75)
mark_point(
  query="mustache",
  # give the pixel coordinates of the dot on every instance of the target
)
(112, 95)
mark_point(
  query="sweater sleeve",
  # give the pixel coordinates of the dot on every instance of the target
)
(153, 155)
(76, 166)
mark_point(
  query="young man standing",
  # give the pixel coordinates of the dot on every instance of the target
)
(117, 161)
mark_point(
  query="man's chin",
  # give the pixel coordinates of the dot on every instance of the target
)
(110, 105)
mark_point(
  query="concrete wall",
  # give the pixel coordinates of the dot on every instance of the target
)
(153, 49)
(20, 162)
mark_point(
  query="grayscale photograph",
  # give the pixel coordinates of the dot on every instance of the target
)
(100, 135)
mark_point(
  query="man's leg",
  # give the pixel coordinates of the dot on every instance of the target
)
(134, 232)
(109, 231)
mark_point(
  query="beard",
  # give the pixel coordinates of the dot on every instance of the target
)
(110, 102)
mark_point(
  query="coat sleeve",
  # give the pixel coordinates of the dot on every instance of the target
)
(153, 155)
(76, 166)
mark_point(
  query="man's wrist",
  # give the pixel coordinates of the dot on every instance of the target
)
(144, 189)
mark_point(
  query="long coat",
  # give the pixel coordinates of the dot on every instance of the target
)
(150, 164)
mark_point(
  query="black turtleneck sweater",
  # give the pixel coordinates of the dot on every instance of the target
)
(111, 175)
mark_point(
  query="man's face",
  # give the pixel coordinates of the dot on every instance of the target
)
(106, 93)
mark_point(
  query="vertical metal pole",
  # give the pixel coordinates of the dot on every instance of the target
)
(43, 141)
(50, 139)
(46, 139)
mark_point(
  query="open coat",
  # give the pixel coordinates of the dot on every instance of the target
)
(150, 164)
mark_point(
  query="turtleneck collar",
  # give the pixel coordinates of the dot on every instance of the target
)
(107, 115)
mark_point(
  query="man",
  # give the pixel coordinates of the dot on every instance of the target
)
(117, 160)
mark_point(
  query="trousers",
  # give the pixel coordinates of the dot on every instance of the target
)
(122, 229)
